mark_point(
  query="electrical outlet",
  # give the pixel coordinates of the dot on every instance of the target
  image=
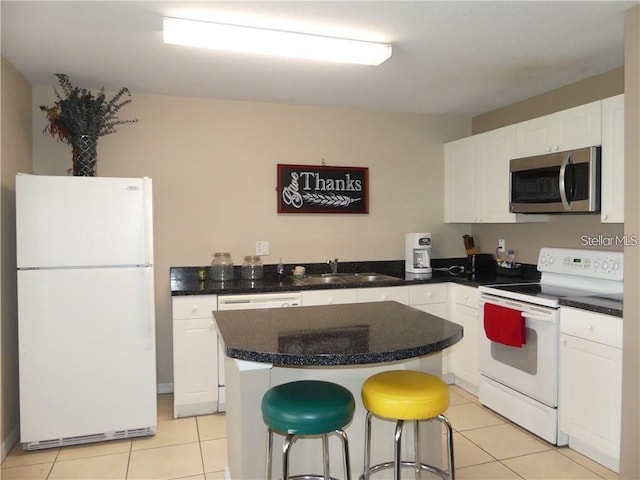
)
(262, 248)
(501, 245)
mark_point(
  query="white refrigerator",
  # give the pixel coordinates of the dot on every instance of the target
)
(86, 314)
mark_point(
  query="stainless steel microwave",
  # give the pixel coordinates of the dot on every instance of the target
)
(560, 182)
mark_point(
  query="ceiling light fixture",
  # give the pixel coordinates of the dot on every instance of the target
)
(235, 38)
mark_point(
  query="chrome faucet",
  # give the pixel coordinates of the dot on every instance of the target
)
(334, 265)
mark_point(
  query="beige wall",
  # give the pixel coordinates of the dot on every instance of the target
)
(561, 230)
(630, 461)
(213, 164)
(15, 156)
(593, 88)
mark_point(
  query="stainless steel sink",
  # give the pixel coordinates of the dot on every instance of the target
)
(332, 278)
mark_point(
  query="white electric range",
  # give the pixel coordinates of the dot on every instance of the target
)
(521, 382)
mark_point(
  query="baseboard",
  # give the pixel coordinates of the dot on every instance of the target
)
(468, 386)
(9, 442)
(163, 388)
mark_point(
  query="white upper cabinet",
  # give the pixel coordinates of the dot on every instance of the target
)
(476, 172)
(612, 193)
(565, 130)
(460, 184)
(497, 148)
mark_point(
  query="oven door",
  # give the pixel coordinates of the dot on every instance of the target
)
(533, 368)
(562, 182)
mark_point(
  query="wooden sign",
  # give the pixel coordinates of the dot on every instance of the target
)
(322, 189)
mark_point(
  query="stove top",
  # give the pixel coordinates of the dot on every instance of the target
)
(550, 295)
(592, 274)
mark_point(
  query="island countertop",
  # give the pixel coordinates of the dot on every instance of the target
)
(348, 334)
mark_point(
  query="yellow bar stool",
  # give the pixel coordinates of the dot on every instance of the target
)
(406, 395)
(307, 407)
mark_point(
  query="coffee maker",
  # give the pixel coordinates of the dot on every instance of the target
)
(418, 255)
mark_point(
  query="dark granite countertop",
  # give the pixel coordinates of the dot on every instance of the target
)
(333, 335)
(593, 303)
(184, 280)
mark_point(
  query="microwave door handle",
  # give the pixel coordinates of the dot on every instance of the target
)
(562, 183)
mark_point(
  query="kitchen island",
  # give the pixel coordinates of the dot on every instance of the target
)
(340, 343)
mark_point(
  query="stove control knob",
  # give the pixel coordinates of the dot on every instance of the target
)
(605, 265)
(616, 266)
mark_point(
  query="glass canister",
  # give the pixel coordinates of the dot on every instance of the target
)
(251, 268)
(221, 267)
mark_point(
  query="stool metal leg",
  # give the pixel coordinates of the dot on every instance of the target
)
(325, 455)
(367, 447)
(397, 455)
(416, 445)
(347, 459)
(288, 441)
(269, 453)
(416, 464)
(449, 429)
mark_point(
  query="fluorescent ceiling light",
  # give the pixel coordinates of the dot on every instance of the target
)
(236, 38)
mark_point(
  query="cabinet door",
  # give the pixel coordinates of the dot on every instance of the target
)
(612, 195)
(381, 294)
(460, 165)
(534, 137)
(329, 297)
(465, 354)
(575, 127)
(579, 126)
(195, 360)
(590, 397)
(497, 148)
(477, 178)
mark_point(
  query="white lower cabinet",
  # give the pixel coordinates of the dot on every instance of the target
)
(590, 394)
(431, 298)
(195, 355)
(382, 294)
(462, 359)
(329, 297)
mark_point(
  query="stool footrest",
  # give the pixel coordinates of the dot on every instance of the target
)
(310, 477)
(406, 463)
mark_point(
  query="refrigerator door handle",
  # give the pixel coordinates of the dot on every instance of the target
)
(148, 221)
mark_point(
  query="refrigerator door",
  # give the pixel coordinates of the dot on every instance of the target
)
(83, 221)
(86, 355)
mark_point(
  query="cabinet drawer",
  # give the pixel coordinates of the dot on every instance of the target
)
(605, 329)
(329, 297)
(193, 306)
(381, 294)
(424, 294)
(469, 296)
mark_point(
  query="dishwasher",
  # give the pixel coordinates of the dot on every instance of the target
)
(252, 301)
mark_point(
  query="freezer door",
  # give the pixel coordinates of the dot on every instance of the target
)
(86, 352)
(83, 221)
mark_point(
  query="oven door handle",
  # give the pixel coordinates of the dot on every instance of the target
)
(538, 319)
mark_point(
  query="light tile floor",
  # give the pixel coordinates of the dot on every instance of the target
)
(486, 447)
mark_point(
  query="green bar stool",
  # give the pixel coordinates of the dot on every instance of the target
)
(307, 407)
(406, 395)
